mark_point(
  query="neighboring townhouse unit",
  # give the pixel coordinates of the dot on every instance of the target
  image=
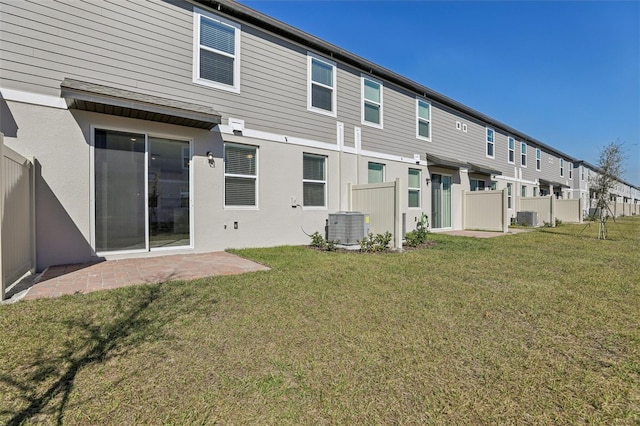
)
(176, 125)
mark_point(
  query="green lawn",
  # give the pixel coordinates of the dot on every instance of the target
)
(535, 328)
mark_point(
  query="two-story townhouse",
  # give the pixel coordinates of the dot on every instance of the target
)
(183, 125)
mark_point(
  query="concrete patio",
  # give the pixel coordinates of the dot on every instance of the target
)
(56, 281)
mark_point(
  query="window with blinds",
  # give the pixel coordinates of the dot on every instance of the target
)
(218, 51)
(240, 175)
(314, 180)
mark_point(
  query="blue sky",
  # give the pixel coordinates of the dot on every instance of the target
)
(566, 73)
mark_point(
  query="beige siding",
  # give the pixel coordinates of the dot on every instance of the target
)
(382, 202)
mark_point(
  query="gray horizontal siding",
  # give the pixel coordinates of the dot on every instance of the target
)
(148, 47)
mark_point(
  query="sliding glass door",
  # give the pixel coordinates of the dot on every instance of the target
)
(142, 198)
(440, 201)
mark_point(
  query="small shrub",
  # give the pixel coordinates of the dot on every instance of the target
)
(317, 240)
(373, 243)
(558, 222)
(331, 245)
(419, 236)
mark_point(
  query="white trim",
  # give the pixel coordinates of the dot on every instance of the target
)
(340, 135)
(325, 182)
(428, 121)
(418, 188)
(235, 88)
(464, 127)
(334, 90)
(33, 98)
(538, 167)
(380, 125)
(514, 179)
(561, 167)
(273, 137)
(458, 125)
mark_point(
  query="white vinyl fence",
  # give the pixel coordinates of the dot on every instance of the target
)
(485, 211)
(382, 201)
(17, 216)
(569, 211)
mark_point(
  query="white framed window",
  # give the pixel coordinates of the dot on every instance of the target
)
(240, 175)
(464, 127)
(458, 125)
(538, 159)
(523, 154)
(478, 185)
(490, 142)
(321, 86)
(314, 180)
(414, 188)
(375, 172)
(509, 196)
(582, 173)
(535, 191)
(423, 119)
(216, 56)
(371, 102)
(561, 167)
(511, 158)
(523, 191)
(570, 166)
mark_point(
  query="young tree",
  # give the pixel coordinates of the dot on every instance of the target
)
(608, 175)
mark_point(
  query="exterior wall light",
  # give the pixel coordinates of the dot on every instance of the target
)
(210, 158)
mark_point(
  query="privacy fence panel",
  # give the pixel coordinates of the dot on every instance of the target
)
(569, 211)
(542, 205)
(382, 202)
(17, 214)
(485, 211)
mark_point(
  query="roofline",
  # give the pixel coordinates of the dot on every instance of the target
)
(252, 16)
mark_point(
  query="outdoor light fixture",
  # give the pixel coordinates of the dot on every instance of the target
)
(212, 162)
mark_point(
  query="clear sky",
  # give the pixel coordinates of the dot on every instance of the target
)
(566, 73)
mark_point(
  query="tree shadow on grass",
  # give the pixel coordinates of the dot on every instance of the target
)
(136, 320)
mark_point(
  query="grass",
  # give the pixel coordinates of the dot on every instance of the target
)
(534, 328)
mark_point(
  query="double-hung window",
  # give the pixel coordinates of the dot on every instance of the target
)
(561, 167)
(570, 165)
(314, 180)
(414, 188)
(321, 87)
(376, 173)
(371, 102)
(240, 175)
(508, 195)
(512, 149)
(538, 159)
(423, 117)
(524, 190)
(216, 52)
(523, 154)
(490, 142)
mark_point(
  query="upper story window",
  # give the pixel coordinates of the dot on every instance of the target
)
(561, 167)
(423, 115)
(314, 180)
(570, 170)
(581, 172)
(490, 142)
(512, 150)
(523, 154)
(240, 175)
(216, 55)
(414, 188)
(371, 102)
(376, 173)
(321, 87)
(538, 159)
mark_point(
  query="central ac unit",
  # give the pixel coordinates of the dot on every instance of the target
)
(348, 228)
(527, 218)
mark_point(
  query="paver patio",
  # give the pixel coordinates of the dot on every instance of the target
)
(84, 278)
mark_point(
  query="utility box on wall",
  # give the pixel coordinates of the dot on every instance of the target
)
(348, 228)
